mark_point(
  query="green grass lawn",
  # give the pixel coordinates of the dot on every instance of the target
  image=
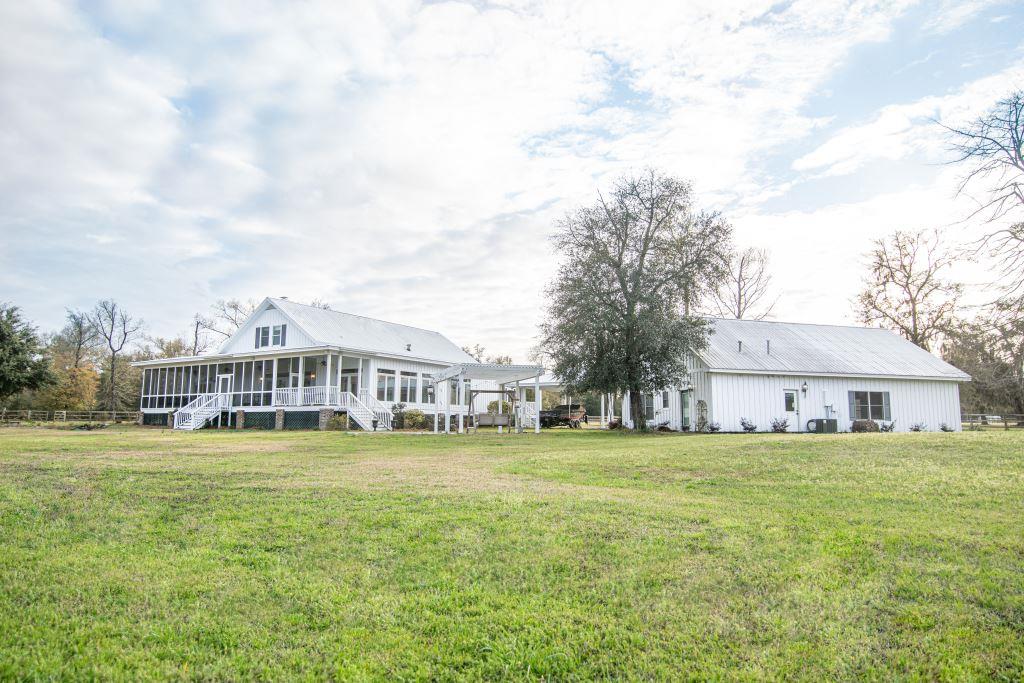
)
(577, 554)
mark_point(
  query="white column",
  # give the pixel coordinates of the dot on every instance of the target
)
(302, 380)
(626, 410)
(437, 408)
(536, 404)
(501, 401)
(327, 381)
(601, 423)
(447, 386)
(273, 385)
(462, 403)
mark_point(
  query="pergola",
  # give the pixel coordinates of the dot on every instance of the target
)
(502, 376)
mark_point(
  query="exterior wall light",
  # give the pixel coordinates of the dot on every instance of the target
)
(804, 388)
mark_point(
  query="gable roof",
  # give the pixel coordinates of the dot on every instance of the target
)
(359, 333)
(798, 348)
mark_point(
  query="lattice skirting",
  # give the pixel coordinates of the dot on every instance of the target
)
(305, 419)
(156, 419)
(261, 420)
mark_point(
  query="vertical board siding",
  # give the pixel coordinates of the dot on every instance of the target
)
(244, 340)
(759, 398)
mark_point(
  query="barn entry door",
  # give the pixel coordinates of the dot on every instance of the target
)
(792, 405)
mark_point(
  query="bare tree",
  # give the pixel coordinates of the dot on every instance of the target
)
(993, 147)
(476, 351)
(199, 340)
(320, 303)
(743, 292)
(905, 289)
(228, 316)
(76, 342)
(118, 329)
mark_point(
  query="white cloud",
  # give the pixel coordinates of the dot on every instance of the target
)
(901, 130)
(398, 159)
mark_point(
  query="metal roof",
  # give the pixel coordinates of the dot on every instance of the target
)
(800, 349)
(334, 328)
(501, 373)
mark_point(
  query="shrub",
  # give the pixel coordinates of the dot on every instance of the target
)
(714, 427)
(415, 419)
(865, 426)
(338, 423)
(891, 426)
(780, 424)
(506, 407)
(918, 427)
(398, 416)
(747, 425)
(615, 424)
(946, 428)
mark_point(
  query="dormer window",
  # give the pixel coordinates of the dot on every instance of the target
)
(271, 336)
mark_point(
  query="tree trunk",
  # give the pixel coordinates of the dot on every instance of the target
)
(636, 409)
(113, 380)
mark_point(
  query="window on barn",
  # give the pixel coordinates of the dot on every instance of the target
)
(869, 405)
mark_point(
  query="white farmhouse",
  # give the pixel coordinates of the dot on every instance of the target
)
(294, 366)
(761, 371)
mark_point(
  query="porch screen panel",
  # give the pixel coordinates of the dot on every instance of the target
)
(236, 389)
(268, 381)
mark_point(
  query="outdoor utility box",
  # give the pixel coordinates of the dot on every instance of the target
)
(823, 425)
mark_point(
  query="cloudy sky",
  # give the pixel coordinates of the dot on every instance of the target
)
(408, 160)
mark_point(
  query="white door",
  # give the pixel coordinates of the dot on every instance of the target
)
(792, 407)
(224, 384)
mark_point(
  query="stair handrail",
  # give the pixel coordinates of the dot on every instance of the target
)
(204, 406)
(382, 412)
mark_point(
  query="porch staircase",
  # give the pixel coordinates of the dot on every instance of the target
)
(201, 410)
(377, 409)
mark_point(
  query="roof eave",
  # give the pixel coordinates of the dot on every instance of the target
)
(813, 373)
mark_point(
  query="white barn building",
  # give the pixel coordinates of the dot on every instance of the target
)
(294, 366)
(760, 371)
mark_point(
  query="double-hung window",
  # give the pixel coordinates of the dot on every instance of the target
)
(280, 333)
(869, 405)
(407, 389)
(385, 385)
(426, 391)
(649, 406)
(262, 337)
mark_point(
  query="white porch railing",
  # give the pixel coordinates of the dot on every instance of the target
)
(202, 409)
(380, 411)
(306, 396)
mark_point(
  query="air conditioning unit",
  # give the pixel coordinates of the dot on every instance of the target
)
(823, 425)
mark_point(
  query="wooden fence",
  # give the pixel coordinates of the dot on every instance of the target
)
(9, 416)
(992, 421)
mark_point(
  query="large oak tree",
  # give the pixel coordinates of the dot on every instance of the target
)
(633, 264)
